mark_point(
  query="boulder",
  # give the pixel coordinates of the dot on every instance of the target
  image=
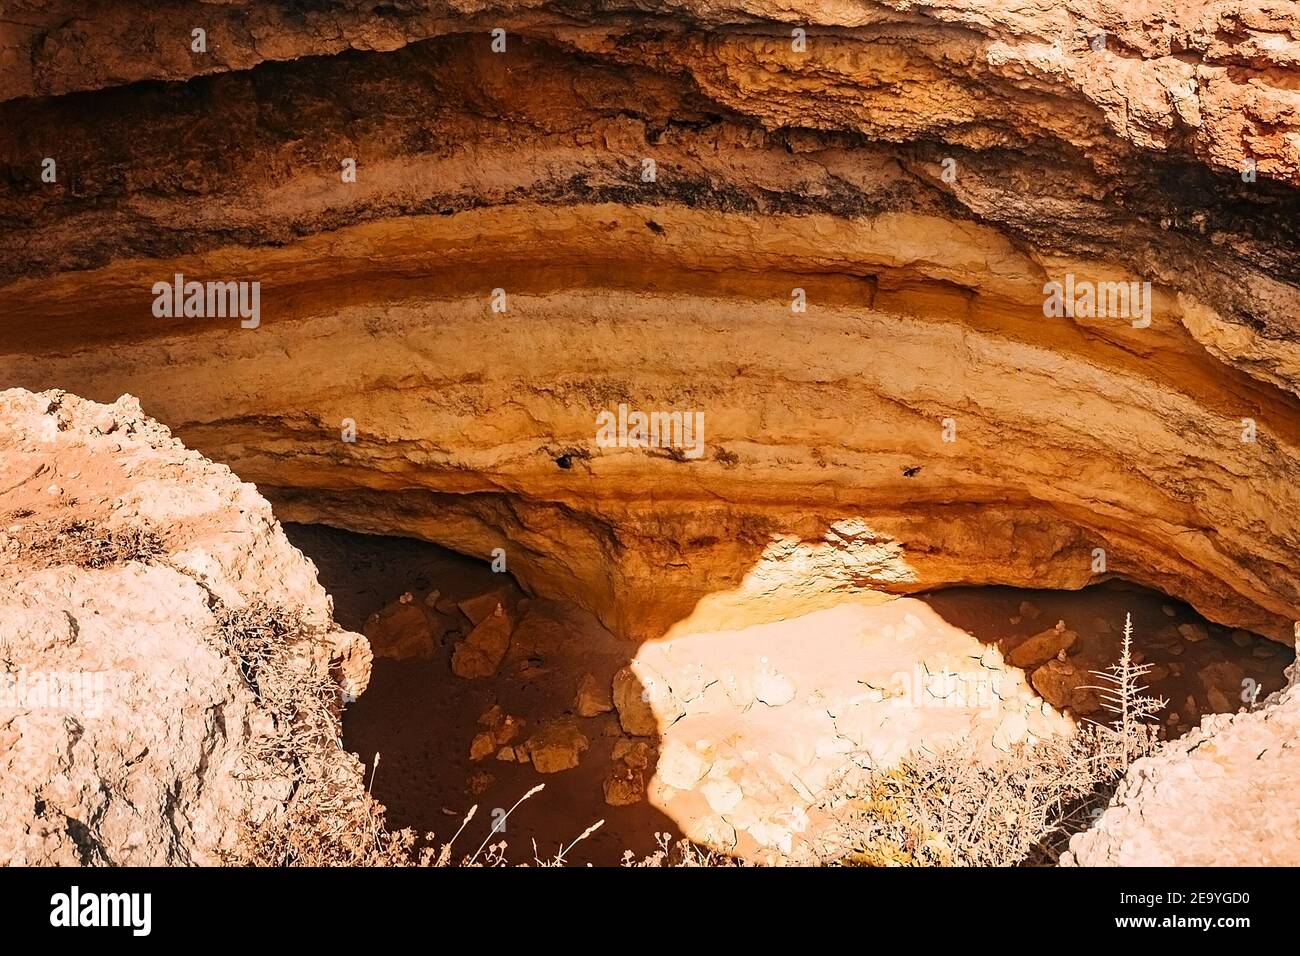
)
(593, 697)
(401, 631)
(480, 654)
(557, 746)
(1042, 647)
(478, 608)
(1063, 685)
(631, 700)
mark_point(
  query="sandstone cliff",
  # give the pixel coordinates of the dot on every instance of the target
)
(648, 185)
(127, 728)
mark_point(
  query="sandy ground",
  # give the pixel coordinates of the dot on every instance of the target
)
(752, 722)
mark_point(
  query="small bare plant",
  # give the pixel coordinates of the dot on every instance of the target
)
(1122, 694)
(679, 854)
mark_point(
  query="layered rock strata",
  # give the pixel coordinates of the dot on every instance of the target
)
(629, 207)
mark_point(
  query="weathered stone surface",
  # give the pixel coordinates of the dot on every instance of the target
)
(823, 171)
(1224, 795)
(480, 606)
(126, 636)
(1067, 685)
(401, 631)
(557, 746)
(593, 697)
(631, 700)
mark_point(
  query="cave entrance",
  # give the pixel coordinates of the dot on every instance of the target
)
(748, 725)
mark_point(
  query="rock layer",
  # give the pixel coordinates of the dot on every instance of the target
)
(919, 171)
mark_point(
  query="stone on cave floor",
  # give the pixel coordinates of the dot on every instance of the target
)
(593, 697)
(400, 631)
(544, 634)
(623, 786)
(1028, 611)
(506, 754)
(478, 607)
(1042, 647)
(482, 746)
(635, 714)
(625, 783)
(1195, 633)
(479, 781)
(633, 752)
(502, 727)
(1063, 684)
(1165, 638)
(1223, 682)
(481, 653)
(1242, 638)
(557, 746)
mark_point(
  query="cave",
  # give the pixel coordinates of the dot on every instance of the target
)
(717, 328)
(421, 730)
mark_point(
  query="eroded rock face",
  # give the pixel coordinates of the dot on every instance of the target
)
(917, 171)
(1224, 795)
(124, 727)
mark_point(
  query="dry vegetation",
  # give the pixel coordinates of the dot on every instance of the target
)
(959, 808)
(79, 541)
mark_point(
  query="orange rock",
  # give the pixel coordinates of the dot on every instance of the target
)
(1042, 647)
(480, 654)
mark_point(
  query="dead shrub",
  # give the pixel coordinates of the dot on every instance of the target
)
(84, 543)
(958, 807)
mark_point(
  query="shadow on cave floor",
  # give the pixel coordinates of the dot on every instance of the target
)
(422, 719)
(1197, 666)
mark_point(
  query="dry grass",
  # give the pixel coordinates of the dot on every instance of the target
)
(959, 807)
(329, 819)
(83, 542)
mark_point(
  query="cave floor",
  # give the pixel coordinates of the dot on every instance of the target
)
(423, 721)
